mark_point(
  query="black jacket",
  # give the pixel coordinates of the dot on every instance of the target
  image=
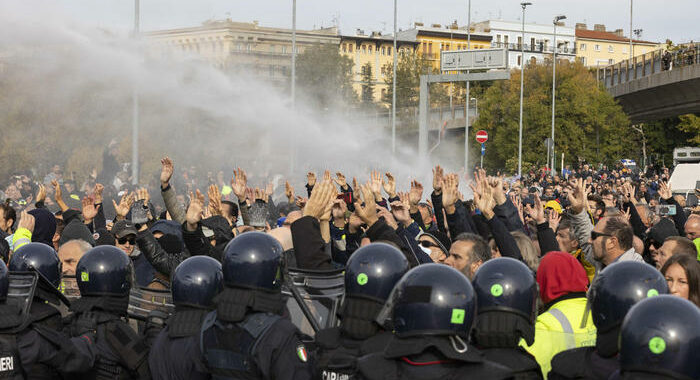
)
(582, 363)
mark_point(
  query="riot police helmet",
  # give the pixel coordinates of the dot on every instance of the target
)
(104, 271)
(661, 336)
(252, 261)
(373, 270)
(433, 299)
(196, 281)
(38, 257)
(506, 284)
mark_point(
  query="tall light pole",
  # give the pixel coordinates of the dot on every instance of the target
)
(554, 85)
(294, 51)
(522, 79)
(135, 109)
(631, 3)
(393, 90)
(466, 98)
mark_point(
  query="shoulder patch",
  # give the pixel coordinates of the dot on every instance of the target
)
(301, 353)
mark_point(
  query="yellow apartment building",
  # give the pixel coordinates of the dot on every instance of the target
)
(376, 50)
(599, 47)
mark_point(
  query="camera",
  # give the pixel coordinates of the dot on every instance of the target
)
(666, 210)
(139, 212)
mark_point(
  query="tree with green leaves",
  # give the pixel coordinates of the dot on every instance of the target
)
(367, 96)
(325, 76)
(589, 123)
(409, 68)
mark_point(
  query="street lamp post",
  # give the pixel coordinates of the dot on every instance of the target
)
(554, 85)
(135, 109)
(466, 98)
(522, 78)
(393, 89)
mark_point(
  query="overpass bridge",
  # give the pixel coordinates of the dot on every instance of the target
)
(656, 85)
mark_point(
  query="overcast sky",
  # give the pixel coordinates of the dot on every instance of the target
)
(674, 19)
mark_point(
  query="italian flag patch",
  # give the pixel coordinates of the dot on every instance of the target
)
(301, 353)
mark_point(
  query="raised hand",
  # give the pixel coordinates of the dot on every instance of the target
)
(340, 180)
(388, 217)
(57, 191)
(400, 211)
(143, 195)
(390, 185)
(166, 171)
(483, 197)
(124, 205)
(239, 183)
(665, 190)
(26, 220)
(322, 194)
(536, 212)
(354, 223)
(89, 209)
(214, 206)
(311, 179)
(577, 197)
(289, 192)
(449, 193)
(496, 184)
(368, 211)
(97, 193)
(376, 185)
(269, 189)
(301, 202)
(41, 194)
(327, 175)
(554, 219)
(415, 195)
(195, 211)
(438, 176)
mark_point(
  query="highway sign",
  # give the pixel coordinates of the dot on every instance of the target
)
(482, 136)
(474, 59)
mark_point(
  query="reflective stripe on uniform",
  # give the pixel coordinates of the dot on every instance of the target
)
(566, 327)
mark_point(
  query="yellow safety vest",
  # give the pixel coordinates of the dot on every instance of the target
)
(559, 329)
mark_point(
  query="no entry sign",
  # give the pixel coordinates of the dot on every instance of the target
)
(482, 136)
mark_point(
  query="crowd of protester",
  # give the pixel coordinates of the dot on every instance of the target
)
(566, 228)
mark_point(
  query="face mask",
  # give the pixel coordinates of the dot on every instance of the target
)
(426, 250)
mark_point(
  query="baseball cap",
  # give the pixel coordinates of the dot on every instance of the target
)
(123, 228)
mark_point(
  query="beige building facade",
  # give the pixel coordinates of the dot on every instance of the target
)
(231, 45)
(374, 51)
(599, 47)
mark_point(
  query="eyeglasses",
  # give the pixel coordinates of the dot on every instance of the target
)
(124, 240)
(427, 244)
(595, 235)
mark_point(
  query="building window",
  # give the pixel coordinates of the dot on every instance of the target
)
(610, 49)
(284, 50)
(505, 40)
(532, 44)
(519, 57)
(350, 48)
(364, 49)
(498, 38)
(247, 48)
(239, 47)
(383, 51)
(345, 48)
(611, 61)
(582, 47)
(388, 51)
(596, 47)
(624, 50)
(369, 48)
(583, 60)
(430, 48)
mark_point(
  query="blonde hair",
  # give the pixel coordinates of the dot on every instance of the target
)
(527, 250)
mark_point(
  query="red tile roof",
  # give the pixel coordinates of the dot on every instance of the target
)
(596, 35)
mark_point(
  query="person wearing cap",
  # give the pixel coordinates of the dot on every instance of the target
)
(125, 233)
(435, 244)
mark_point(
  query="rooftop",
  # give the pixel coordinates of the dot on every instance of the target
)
(610, 36)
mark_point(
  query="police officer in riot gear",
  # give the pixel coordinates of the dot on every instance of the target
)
(660, 339)
(104, 278)
(506, 295)
(246, 336)
(432, 310)
(30, 346)
(175, 354)
(616, 289)
(370, 275)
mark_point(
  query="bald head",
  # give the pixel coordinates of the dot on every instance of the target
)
(70, 253)
(692, 227)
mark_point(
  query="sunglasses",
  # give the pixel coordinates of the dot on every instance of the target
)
(124, 240)
(595, 235)
(427, 244)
